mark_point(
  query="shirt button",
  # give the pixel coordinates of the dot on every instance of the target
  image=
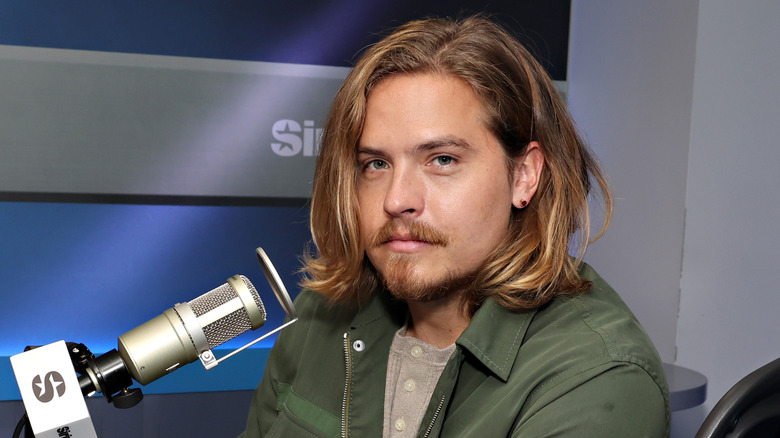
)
(417, 351)
(409, 385)
(400, 424)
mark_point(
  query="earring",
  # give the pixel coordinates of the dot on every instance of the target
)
(523, 203)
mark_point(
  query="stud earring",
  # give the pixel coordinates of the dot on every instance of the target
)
(523, 203)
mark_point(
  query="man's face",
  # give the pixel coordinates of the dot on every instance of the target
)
(434, 190)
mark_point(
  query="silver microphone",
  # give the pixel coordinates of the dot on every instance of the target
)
(189, 331)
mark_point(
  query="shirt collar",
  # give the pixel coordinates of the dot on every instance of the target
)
(494, 336)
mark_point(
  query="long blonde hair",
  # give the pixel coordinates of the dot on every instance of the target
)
(522, 105)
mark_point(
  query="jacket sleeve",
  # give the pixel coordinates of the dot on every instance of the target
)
(262, 410)
(623, 401)
(258, 409)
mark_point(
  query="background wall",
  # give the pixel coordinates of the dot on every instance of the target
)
(630, 78)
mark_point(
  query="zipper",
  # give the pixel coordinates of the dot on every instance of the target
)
(435, 415)
(347, 389)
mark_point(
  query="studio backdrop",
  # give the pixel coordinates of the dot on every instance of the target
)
(147, 148)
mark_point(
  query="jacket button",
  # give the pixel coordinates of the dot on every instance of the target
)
(359, 345)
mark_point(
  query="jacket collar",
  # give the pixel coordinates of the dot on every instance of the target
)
(494, 336)
(381, 307)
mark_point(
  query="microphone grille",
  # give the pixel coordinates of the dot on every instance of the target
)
(232, 324)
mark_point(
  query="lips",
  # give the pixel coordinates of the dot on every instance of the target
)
(405, 237)
(407, 244)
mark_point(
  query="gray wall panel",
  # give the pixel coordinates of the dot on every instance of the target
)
(108, 123)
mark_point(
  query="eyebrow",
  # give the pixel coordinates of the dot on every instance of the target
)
(433, 144)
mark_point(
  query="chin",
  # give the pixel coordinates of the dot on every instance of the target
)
(405, 281)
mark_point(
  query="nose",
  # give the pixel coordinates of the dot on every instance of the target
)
(405, 196)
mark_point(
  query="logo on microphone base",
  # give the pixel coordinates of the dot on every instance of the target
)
(64, 432)
(45, 388)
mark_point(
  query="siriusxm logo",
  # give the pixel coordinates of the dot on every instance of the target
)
(46, 387)
(293, 139)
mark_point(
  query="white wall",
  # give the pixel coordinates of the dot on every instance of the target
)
(681, 100)
(630, 88)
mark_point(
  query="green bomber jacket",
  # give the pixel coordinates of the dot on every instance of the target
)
(579, 366)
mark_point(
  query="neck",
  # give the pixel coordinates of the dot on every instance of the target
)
(439, 322)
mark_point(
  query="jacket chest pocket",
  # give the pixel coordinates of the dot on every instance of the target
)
(299, 417)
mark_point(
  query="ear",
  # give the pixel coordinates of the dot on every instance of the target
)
(526, 174)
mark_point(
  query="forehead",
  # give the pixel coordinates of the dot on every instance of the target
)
(413, 108)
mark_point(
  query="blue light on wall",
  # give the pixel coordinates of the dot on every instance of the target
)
(89, 272)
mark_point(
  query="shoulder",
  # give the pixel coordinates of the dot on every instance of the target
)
(308, 301)
(592, 342)
(600, 322)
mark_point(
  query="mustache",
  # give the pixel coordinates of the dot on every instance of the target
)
(415, 230)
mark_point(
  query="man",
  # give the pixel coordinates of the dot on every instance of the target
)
(442, 300)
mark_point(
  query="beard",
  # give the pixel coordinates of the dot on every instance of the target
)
(404, 283)
(399, 275)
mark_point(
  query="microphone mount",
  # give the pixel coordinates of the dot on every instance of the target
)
(106, 374)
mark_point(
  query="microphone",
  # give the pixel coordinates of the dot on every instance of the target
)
(179, 336)
(189, 331)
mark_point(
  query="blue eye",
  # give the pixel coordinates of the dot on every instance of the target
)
(443, 160)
